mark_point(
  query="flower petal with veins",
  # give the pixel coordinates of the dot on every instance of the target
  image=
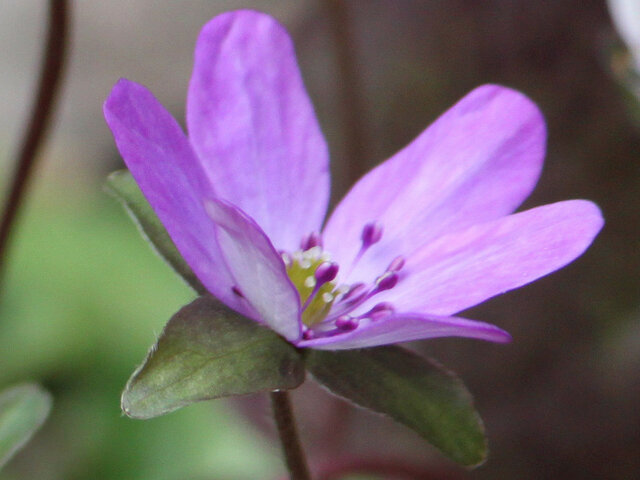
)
(426, 234)
(461, 269)
(253, 127)
(477, 162)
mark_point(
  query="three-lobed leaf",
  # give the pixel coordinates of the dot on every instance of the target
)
(410, 389)
(122, 186)
(23, 409)
(208, 351)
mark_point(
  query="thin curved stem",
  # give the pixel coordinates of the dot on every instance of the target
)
(48, 86)
(291, 447)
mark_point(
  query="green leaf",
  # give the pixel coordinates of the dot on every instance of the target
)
(410, 389)
(23, 409)
(208, 351)
(122, 185)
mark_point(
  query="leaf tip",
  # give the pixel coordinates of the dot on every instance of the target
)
(130, 408)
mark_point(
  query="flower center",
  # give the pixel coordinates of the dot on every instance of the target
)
(312, 274)
(327, 306)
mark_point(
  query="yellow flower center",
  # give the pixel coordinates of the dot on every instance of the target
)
(316, 296)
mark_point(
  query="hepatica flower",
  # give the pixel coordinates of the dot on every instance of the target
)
(425, 235)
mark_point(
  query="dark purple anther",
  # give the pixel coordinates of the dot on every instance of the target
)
(380, 310)
(325, 272)
(307, 334)
(386, 281)
(311, 240)
(346, 323)
(237, 291)
(371, 233)
(396, 264)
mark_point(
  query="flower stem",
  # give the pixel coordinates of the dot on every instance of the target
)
(52, 62)
(291, 447)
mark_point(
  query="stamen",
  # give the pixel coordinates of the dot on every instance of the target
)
(353, 297)
(360, 293)
(386, 281)
(356, 296)
(396, 264)
(379, 311)
(327, 306)
(346, 323)
(311, 240)
(371, 233)
(342, 289)
(355, 290)
(326, 272)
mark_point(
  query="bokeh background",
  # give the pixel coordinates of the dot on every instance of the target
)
(84, 297)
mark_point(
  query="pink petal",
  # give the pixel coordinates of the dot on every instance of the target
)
(477, 162)
(405, 328)
(462, 269)
(252, 124)
(257, 269)
(167, 170)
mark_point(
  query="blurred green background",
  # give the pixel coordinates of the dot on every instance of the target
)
(84, 296)
(84, 299)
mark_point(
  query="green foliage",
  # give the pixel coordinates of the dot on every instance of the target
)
(410, 389)
(207, 351)
(81, 300)
(23, 409)
(122, 185)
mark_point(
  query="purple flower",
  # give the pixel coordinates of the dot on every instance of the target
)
(421, 237)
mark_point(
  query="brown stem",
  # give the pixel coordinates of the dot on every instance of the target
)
(39, 122)
(349, 88)
(291, 447)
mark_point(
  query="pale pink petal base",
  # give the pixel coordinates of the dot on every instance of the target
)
(257, 269)
(406, 327)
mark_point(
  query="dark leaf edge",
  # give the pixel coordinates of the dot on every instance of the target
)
(448, 372)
